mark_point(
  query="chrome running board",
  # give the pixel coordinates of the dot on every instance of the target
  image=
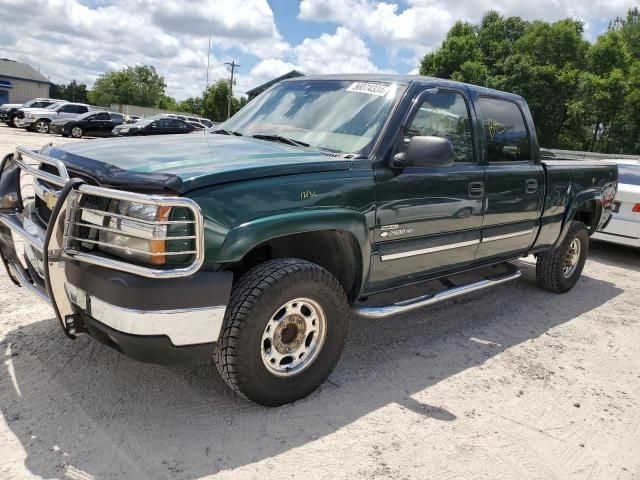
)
(405, 306)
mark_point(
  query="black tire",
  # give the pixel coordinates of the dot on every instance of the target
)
(256, 298)
(12, 120)
(550, 267)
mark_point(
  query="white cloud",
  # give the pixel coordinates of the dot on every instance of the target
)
(68, 40)
(422, 25)
(418, 27)
(343, 52)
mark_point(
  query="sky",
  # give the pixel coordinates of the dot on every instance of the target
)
(80, 39)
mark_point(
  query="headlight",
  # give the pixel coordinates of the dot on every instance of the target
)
(142, 241)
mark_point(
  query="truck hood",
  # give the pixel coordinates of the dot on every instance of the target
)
(8, 106)
(184, 162)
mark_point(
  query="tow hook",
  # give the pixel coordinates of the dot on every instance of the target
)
(73, 325)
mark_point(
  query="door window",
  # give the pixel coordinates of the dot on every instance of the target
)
(443, 114)
(102, 116)
(505, 130)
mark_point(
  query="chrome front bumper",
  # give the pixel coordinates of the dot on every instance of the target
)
(46, 255)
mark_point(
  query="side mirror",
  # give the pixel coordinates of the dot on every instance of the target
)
(436, 152)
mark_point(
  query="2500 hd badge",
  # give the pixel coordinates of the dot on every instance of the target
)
(191, 247)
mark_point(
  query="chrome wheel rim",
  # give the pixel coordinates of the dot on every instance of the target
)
(293, 337)
(76, 132)
(572, 258)
(42, 127)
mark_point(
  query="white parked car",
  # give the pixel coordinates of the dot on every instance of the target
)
(624, 226)
(38, 119)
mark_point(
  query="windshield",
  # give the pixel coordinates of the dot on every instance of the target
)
(629, 174)
(53, 106)
(32, 103)
(85, 115)
(145, 121)
(336, 115)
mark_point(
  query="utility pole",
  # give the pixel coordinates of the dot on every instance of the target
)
(233, 66)
(206, 87)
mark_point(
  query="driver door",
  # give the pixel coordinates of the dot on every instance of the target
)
(429, 219)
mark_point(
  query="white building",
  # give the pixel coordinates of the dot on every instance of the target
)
(20, 82)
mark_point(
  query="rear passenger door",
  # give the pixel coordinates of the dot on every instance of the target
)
(514, 178)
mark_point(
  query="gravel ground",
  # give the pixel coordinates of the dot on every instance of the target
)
(513, 382)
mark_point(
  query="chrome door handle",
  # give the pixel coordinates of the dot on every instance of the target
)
(476, 189)
(531, 185)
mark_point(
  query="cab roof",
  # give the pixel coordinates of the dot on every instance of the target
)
(407, 80)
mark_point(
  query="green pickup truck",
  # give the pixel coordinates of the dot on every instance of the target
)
(255, 243)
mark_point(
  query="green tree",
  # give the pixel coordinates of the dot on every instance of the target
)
(581, 96)
(72, 92)
(629, 27)
(139, 85)
(215, 101)
(165, 102)
(461, 45)
(191, 105)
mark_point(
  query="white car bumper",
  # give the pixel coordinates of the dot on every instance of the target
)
(623, 232)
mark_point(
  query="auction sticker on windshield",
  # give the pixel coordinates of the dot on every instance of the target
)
(369, 88)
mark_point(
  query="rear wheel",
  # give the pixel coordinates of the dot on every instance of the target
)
(76, 132)
(559, 269)
(284, 331)
(41, 126)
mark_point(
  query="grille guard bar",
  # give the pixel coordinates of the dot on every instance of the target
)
(83, 188)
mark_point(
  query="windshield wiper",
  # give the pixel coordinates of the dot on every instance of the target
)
(279, 138)
(222, 131)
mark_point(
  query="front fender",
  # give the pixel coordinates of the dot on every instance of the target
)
(242, 238)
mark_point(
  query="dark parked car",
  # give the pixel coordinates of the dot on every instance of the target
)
(153, 126)
(90, 123)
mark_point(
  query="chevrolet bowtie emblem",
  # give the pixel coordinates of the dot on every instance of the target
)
(49, 199)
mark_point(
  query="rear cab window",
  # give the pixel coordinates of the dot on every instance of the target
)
(505, 130)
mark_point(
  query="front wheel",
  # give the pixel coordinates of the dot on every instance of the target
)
(559, 269)
(76, 132)
(13, 122)
(42, 126)
(284, 331)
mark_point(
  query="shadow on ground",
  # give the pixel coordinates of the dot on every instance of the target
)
(83, 405)
(615, 255)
